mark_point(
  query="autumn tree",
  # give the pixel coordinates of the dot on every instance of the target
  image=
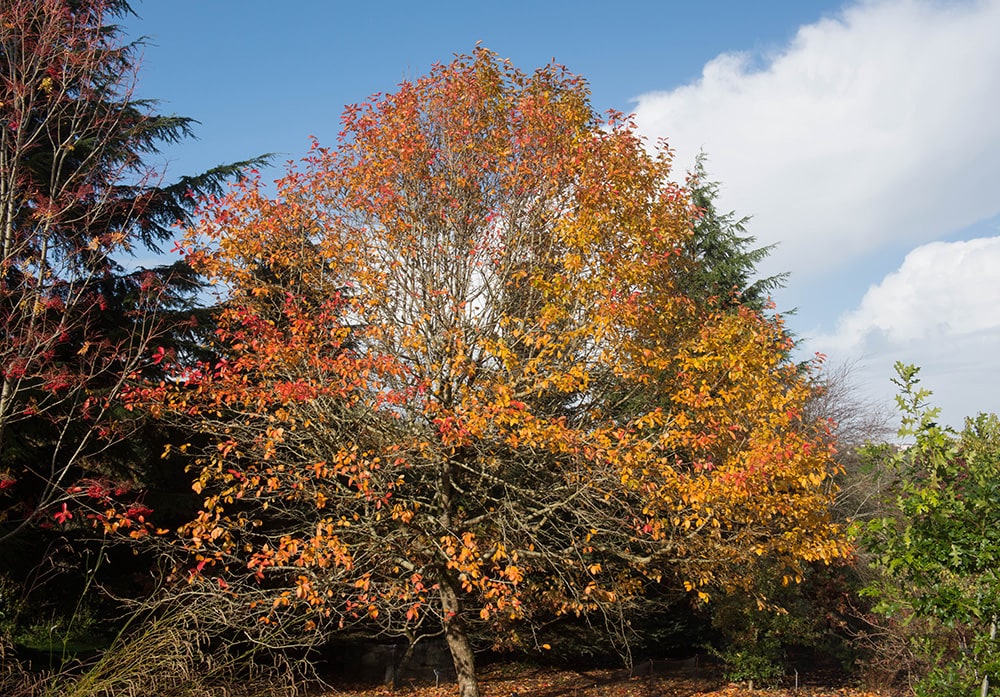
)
(462, 385)
(77, 197)
(760, 641)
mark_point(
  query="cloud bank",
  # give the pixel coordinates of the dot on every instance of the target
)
(876, 127)
(941, 290)
(875, 131)
(940, 310)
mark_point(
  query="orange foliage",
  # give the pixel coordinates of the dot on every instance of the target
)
(459, 373)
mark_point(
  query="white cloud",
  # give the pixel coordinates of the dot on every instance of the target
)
(940, 310)
(942, 289)
(877, 127)
(874, 130)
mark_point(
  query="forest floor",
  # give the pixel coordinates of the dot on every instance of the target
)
(527, 681)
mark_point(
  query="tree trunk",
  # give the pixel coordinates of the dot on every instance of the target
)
(458, 642)
(985, 689)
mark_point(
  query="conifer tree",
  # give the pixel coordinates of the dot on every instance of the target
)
(80, 196)
(726, 272)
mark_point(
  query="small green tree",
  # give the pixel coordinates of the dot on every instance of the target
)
(940, 539)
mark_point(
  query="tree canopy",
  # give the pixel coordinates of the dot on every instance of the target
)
(462, 382)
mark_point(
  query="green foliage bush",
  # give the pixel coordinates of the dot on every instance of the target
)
(937, 540)
(757, 665)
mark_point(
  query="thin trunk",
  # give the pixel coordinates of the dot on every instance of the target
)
(7, 189)
(986, 678)
(458, 642)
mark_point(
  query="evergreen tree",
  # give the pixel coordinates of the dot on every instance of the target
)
(727, 260)
(79, 195)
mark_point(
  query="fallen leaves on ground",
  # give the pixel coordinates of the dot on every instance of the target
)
(741, 691)
(527, 681)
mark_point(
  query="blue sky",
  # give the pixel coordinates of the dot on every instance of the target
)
(261, 79)
(863, 137)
